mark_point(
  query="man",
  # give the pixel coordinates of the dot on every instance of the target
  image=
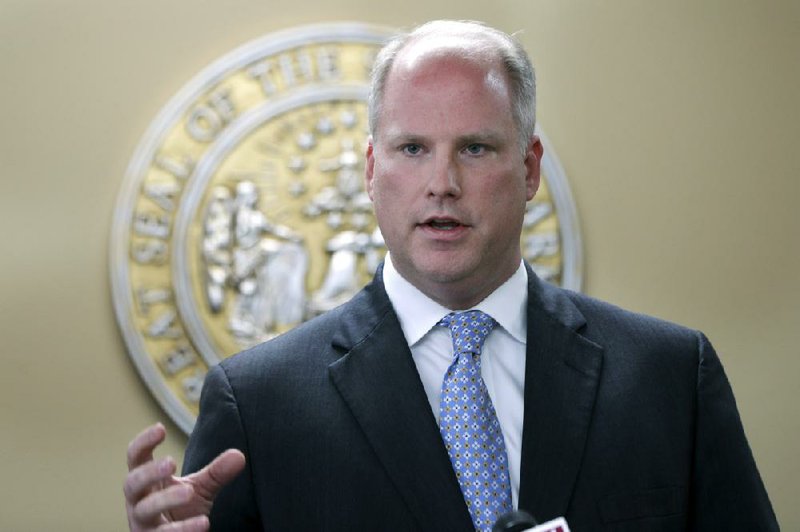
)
(615, 420)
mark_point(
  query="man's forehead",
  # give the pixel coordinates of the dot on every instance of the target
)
(444, 47)
(425, 73)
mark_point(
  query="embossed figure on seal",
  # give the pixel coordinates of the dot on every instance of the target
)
(262, 262)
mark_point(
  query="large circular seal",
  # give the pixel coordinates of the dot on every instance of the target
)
(243, 211)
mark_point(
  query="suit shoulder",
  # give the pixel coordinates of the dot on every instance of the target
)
(597, 307)
(639, 346)
(607, 323)
(305, 345)
(317, 342)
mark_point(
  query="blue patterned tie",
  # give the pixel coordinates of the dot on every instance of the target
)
(469, 424)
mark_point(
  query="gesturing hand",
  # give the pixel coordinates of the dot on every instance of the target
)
(155, 499)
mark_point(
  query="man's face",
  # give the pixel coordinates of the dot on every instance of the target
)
(447, 176)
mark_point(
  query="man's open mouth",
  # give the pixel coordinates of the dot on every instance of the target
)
(443, 225)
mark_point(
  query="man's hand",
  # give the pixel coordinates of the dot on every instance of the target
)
(157, 500)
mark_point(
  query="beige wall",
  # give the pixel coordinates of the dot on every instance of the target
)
(677, 123)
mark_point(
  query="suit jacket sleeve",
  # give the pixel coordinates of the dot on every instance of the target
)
(219, 428)
(728, 493)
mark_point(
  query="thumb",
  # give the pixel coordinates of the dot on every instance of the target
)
(225, 467)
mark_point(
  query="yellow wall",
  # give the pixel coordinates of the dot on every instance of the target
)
(677, 124)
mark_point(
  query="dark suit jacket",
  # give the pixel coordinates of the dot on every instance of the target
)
(629, 424)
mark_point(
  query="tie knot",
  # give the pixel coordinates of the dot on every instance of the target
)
(469, 329)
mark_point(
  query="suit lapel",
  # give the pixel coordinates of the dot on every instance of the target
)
(562, 371)
(378, 380)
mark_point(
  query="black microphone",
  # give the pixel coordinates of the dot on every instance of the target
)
(515, 521)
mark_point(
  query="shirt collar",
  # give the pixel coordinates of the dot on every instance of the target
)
(418, 313)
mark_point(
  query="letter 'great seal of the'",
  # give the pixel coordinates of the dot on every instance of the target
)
(243, 211)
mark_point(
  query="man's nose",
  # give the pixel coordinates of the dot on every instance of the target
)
(445, 179)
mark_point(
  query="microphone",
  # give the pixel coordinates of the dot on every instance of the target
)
(516, 521)
(522, 521)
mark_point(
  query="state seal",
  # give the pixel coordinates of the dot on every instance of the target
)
(243, 211)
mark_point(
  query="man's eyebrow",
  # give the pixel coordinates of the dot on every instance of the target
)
(402, 136)
(479, 137)
(482, 137)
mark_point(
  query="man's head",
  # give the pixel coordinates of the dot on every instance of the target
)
(449, 166)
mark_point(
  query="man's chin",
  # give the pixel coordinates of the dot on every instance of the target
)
(441, 273)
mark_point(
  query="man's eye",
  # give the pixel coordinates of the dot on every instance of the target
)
(412, 149)
(475, 149)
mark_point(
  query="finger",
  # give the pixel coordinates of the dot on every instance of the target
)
(176, 497)
(225, 467)
(142, 479)
(195, 524)
(140, 449)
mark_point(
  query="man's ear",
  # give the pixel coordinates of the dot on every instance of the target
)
(369, 168)
(533, 166)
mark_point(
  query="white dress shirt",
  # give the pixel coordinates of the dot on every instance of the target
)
(502, 356)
